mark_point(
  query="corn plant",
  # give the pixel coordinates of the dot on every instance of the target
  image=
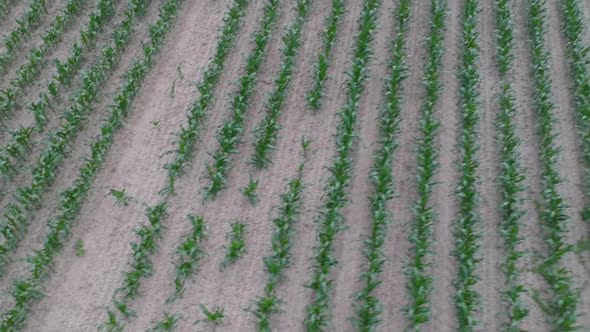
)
(29, 22)
(121, 197)
(467, 237)
(367, 306)
(563, 301)
(166, 324)
(320, 68)
(80, 251)
(236, 247)
(574, 30)
(188, 253)
(196, 113)
(27, 198)
(212, 317)
(6, 7)
(250, 191)
(73, 197)
(280, 258)
(330, 220)
(232, 129)
(511, 173)
(420, 229)
(267, 130)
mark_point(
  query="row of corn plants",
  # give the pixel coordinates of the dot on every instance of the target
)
(27, 198)
(511, 172)
(320, 69)
(420, 228)
(6, 7)
(330, 220)
(574, 29)
(27, 289)
(280, 258)
(149, 234)
(31, 20)
(14, 152)
(232, 129)
(467, 236)
(197, 111)
(189, 253)
(28, 72)
(563, 297)
(267, 129)
(367, 306)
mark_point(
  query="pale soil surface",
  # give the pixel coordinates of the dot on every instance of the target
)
(78, 288)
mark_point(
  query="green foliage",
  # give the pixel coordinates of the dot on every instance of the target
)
(250, 191)
(330, 220)
(73, 197)
(237, 244)
(563, 298)
(214, 318)
(80, 251)
(267, 130)
(232, 129)
(121, 197)
(167, 324)
(196, 113)
(6, 7)
(320, 68)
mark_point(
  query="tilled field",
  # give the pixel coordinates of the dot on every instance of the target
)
(318, 165)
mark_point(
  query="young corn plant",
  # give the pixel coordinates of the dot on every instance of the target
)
(420, 229)
(574, 30)
(467, 237)
(166, 324)
(73, 197)
(189, 253)
(563, 298)
(367, 306)
(232, 129)
(320, 68)
(6, 7)
(269, 303)
(267, 130)
(27, 198)
(121, 197)
(196, 113)
(330, 220)
(250, 191)
(237, 244)
(212, 317)
(511, 172)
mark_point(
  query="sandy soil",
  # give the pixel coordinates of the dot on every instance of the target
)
(80, 287)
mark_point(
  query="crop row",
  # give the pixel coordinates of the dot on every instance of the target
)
(574, 30)
(367, 306)
(196, 113)
(562, 305)
(511, 172)
(231, 132)
(330, 221)
(26, 289)
(29, 71)
(16, 217)
(267, 129)
(466, 232)
(280, 258)
(320, 69)
(31, 19)
(6, 7)
(420, 230)
(13, 153)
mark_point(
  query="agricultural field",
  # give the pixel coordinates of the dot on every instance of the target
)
(294, 165)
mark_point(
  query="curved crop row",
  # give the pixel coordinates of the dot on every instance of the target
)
(230, 133)
(367, 306)
(31, 19)
(29, 71)
(197, 111)
(330, 221)
(574, 29)
(320, 68)
(466, 232)
(267, 129)
(27, 198)
(280, 258)
(13, 153)
(564, 299)
(420, 230)
(26, 289)
(511, 172)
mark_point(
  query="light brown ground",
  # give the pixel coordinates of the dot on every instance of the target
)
(80, 287)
